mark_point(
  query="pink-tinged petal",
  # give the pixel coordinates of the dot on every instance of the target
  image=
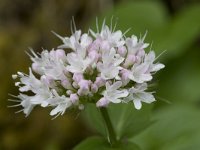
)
(94, 88)
(116, 85)
(74, 98)
(66, 84)
(137, 104)
(60, 54)
(103, 102)
(100, 81)
(77, 77)
(157, 67)
(105, 45)
(84, 87)
(122, 51)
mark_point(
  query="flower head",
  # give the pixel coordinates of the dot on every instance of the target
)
(102, 68)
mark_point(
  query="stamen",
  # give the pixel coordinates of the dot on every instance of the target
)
(13, 95)
(60, 37)
(116, 20)
(32, 51)
(19, 111)
(10, 106)
(126, 32)
(74, 25)
(14, 76)
(111, 21)
(97, 25)
(56, 116)
(14, 100)
(160, 54)
(71, 25)
(103, 25)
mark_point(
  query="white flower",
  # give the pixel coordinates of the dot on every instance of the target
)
(85, 40)
(114, 38)
(61, 103)
(112, 93)
(78, 63)
(28, 82)
(78, 60)
(134, 45)
(26, 103)
(149, 59)
(139, 73)
(142, 72)
(75, 41)
(109, 67)
(70, 42)
(138, 95)
(51, 63)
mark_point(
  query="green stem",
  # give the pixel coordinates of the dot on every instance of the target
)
(109, 127)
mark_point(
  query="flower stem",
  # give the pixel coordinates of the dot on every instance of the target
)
(109, 127)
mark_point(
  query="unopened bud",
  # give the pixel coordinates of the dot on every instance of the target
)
(100, 81)
(74, 98)
(77, 77)
(122, 51)
(103, 102)
(94, 88)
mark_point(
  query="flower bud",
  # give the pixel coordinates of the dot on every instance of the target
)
(47, 80)
(81, 107)
(84, 87)
(103, 102)
(74, 98)
(94, 55)
(141, 53)
(17, 83)
(68, 92)
(122, 51)
(138, 59)
(100, 82)
(66, 84)
(105, 45)
(67, 73)
(77, 77)
(125, 77)
(14, 76)
(95, 45)
(20, 74)
(36, 67)
(94, 88)
(60, 54)
(130, 60)
(75, 85)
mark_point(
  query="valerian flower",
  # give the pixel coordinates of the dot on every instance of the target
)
(137, 94)
(112, 94)
(103, 67)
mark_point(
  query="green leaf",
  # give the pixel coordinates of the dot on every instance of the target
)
(180, 34)
(93, 143)
(184, 75)
(126, 120)
(177, 128)
(99, 143)
(94, 119)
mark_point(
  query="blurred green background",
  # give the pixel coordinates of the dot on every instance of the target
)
(172, 25)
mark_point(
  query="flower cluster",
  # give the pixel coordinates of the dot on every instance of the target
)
(101, 68)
